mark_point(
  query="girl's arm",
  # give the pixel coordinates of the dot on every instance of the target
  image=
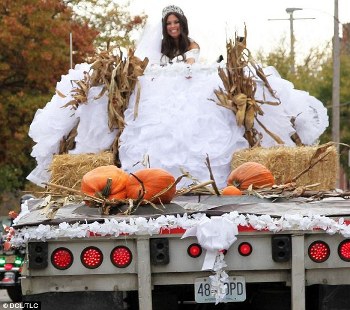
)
(192, 54)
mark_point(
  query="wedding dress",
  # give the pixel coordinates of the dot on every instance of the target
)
(178, 123)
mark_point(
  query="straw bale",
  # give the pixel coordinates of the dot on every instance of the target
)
(285, 163)
(68, 169)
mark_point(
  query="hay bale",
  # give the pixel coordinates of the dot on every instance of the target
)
(68, 169)
(285, 163)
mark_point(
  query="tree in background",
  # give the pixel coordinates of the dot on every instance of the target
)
(325, 91)
(315, 75)
(115, 24)
(308, 71)
(35, 52)
(34, 44)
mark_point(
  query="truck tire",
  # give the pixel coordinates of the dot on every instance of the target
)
(15, 293)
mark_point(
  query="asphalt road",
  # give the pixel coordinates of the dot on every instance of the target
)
(4, 298)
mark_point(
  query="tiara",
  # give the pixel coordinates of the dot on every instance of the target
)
(171, 9)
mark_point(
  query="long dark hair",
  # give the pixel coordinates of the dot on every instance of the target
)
(169, 47)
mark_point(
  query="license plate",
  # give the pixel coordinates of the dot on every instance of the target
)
(10, 259)
(235, 290)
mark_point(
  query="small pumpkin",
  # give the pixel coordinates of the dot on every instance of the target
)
(231, 190)
(251, 173)
(154, 181)
(105, 181)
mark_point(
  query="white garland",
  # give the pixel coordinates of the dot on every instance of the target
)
(142, 226)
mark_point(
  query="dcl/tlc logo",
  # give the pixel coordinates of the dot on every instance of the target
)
(35, 305)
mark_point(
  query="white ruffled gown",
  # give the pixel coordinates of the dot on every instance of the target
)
(177, 125)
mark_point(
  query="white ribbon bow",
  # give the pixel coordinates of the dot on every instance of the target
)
(213, 234)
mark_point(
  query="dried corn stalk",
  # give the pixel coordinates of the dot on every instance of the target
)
(79, 92)
(239, 89)
(120, 77)
(67, 143)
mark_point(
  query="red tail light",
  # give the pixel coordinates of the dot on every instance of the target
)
(245, 249)
(8, 267)
(344, 250)
(194, 250)
(62, 258)
(91, 257)
(319, 251)
(121, 256)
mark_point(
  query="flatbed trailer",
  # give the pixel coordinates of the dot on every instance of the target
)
(287, 254)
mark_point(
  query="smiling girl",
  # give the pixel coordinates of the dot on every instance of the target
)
(176, 44)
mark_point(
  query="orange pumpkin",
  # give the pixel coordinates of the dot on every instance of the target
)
(154, 181)
(231, 191)
(251, 173)
(95, 182)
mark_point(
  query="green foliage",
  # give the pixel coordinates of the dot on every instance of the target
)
(279, 58)
(308, 71)
(34, 44)
(344, 79)
(16, 113)
(9, 178)
(35, 52)
(324, 93)
(345, 111)
(315, 75)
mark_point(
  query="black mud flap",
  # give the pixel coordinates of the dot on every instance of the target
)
(78, 300)
(334, 297)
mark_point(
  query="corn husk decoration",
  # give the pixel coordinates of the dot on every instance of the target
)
(119, 76)
(67, 143)
(79, 92)
(239, 90)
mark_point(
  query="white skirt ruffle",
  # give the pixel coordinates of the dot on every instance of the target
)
(54, 122)
(177, 125)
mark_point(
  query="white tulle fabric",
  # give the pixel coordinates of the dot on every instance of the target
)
(177, 124)
(150, 42)
(311, 118)
(54, 122)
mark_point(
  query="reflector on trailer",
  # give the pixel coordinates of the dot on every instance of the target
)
(194, 250)
(38, 255)
(344, 250)
(281, 247)
(159, 248)
(245, 249)
(91, 257)
(319, 251)
(62, 258)
(121, 256)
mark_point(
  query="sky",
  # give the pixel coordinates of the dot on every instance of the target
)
(211, 22)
